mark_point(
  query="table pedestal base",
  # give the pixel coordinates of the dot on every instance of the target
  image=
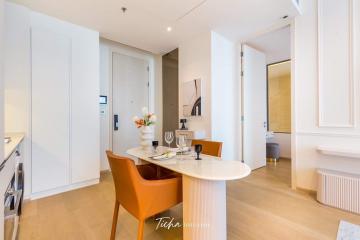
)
(204, 209)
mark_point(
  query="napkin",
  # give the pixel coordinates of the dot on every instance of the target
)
(166, 155)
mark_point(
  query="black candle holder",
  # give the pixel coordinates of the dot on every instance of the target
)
(183, 121)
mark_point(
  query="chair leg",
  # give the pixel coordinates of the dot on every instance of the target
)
(115, 218)
(141, 230)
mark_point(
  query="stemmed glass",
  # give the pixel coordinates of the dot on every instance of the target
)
(181, 143)
(198, 149)
(169, 137)
(155, 144)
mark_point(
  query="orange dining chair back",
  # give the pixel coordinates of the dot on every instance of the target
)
(141, 197)
(209, 147)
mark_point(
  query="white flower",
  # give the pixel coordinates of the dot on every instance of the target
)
(152, 118)
(135, 118)
(145, 111)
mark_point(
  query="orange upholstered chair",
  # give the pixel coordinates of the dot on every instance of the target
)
(209, 147)
(138, 191)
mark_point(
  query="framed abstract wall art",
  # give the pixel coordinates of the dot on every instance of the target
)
(192, 102)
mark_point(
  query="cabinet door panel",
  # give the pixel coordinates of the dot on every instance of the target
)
(50, 109)
(85, 132)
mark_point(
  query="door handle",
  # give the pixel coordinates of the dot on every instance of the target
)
(116, 122)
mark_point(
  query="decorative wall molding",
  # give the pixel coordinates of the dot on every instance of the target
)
(326, 134)
(328, 121)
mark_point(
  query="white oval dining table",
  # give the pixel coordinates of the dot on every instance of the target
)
(204, 190)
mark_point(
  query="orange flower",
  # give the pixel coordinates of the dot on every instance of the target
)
(147, 119)
(139, 123)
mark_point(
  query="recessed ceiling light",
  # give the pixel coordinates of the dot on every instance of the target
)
(169, 29)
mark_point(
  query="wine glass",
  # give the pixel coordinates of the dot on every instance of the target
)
(155, 144)
(169, 137)
(198, 149)
(181, 143)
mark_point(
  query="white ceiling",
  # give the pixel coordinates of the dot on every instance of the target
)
(276, 45)
(145, 22)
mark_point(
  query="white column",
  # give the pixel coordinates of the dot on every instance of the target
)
(204, 209)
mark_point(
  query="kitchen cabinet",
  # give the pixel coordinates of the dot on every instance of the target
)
(8, 165)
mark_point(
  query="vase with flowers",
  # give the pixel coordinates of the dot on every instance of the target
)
(146, 124)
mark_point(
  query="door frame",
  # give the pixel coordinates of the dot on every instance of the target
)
(136, 54)
(291, 24)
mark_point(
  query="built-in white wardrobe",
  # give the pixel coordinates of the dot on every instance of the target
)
(65, 90)
(63, 93)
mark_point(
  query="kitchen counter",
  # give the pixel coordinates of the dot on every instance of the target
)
(9, 148)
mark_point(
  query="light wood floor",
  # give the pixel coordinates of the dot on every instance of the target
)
(261, 206)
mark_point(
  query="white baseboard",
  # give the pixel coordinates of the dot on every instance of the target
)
(58, 190)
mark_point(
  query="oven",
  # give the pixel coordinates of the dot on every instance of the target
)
(13, 199)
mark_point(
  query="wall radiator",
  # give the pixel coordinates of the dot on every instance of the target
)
(339, 189)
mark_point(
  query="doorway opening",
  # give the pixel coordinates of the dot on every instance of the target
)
(266, 105)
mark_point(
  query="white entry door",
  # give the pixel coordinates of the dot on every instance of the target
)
(130, 83)
(254, 107)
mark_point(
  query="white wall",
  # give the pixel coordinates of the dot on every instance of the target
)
(213, 58)
(275, 44)
(17, 67)
(195, 62)
(326, 109)
(104, 117)
(17, 74)
(3, 186)
(106, 46)
(225, 95)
